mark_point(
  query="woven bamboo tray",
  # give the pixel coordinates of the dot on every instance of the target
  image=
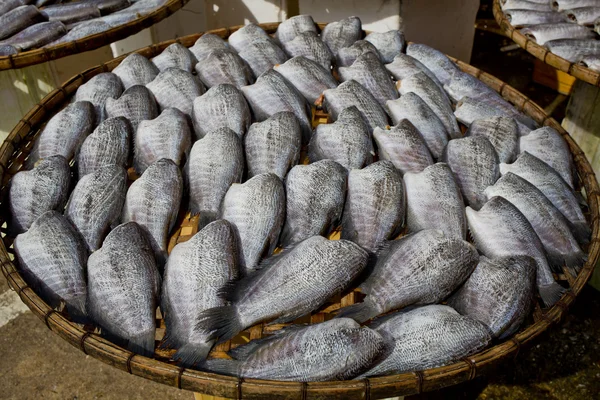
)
(578, 71)
(91, 42)
(18, 145)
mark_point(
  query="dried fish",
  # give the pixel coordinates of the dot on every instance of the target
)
(310, 78)
(389, 44)
(137, 104)
(135, 69)
(98, 89)
(109, 144)
(175, 56)
(221, 106)
(342, 33)
(309, 45)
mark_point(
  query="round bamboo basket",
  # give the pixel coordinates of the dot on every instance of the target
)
(91, 42)
(18, 145)
(540, 52)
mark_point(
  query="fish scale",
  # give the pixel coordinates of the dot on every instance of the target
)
(368, 70)
(502, 132)
(167, 136)
(309, 45)
(52, 256)
(342, 33)
(346, 141)
(434, 60)
(109, 144)
(18, 19)
(44, 188)
(135, 69)
(389, 44)
(262, 55)
(123, 288)
(499, 229)
(176, 88)
(98, 89)
(273, 145)
(95, 203)
(36, 35)
(404, 66)
(346, 56)
(223, 66)
(310, 78)
(469, 110)
(256, 209)
(206, 44)
(543, 33)
(244, 36)
(137, 104)
(221, 106)
(175, 56)
(294, 26)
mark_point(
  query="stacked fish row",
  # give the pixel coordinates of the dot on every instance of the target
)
(567, 28)
(228, 122)
(30, 24)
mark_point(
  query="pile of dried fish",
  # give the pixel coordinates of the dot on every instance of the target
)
(27, 24)
(222, 130)
(567, 28)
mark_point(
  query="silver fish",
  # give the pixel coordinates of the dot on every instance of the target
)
(346, 141)
(573, 49)
(95, 203)
(81, 30)
(428, 337)
(153, 202)
(545, 32)
(175, 56)
(221, 106)
(342, 33)
(548, 145)
(143, 7)
(389, 44)
(310, 78)
(412, 108)
(436, 99)
(98, 89)
(375, 205)
(560, 5)
(433, 201)
(8, 5)
(548, 223)
(422, 268)
(526, 5)
(69, 13)
(110, 6)
(309, 45)
(196, 271)
(499, 229)
(261, 55)
(404, 146)
(7, 50)
(346, 56)
(18, 19)
(223, 66)
(294, 26)
(469, 110)
(257, 211)
(176, 88)
(109, 144)
(590, 61)
(352, 93)
(52, 257)
(166, 136)
(550, 183)
(583, 15)
(316, 190)
(372, 75)
(135, 69)
(474, 162)
(273, 145)
(32, 193)
(216, 162)
(404, 66)
(244, 36)
(434, 60)
(36, 35)
(499, 293)
(291, 284)
(207, 43)
(271, 94)
(137, 104)
(125, 261)
(332, 350)
(502, 132)
(520, 18)
(66, 131)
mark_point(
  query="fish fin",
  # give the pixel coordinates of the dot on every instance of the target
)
(142, 344)
(206, 217)
(234, 290)
(573, 261)
(551, 293)
(221, 366)
(77, 309)
(288, 317)
(581, 232)
(244, 351)
(221, 323)
(360, 312)
(191, 354)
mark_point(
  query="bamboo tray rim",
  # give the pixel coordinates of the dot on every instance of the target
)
(20, 140)
(90, 42)
(540, 52)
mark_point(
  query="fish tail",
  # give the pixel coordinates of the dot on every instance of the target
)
(582, 232)
(191, 354)
(222, 366)
(550, 293)
(142, 344)
(222, 323)
(76, 308)
(360, 312)
(206, 217)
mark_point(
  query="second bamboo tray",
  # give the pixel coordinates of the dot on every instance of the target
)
(15, 150)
